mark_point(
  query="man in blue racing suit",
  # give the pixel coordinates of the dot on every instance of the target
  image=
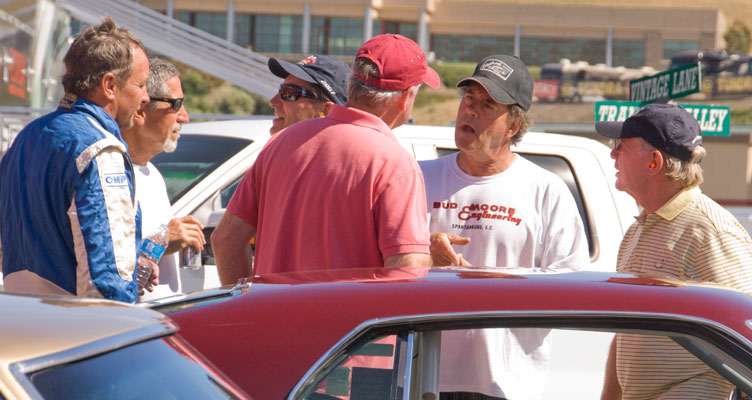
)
(69, 219)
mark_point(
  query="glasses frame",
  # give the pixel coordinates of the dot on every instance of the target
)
(175, 104)
(299, 92)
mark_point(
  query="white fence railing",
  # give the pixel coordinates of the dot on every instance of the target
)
(182, 42)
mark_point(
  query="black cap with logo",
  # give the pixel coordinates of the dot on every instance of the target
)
(506, 79)
(327, 72)
(667, 127)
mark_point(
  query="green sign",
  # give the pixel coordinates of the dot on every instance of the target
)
(669, 84)
(714, 120)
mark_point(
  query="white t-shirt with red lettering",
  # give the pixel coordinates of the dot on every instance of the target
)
(523, 217)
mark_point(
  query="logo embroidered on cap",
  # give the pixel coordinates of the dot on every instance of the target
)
(115, 180)
(326, 86)
(498, 68)
(308, 60)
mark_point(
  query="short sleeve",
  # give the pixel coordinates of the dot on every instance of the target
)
(400, 212)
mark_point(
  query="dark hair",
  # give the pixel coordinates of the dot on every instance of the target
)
(99, 50)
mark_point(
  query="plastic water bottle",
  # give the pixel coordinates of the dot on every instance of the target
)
(152, 248)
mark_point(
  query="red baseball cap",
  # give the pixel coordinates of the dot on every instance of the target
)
(402, 63)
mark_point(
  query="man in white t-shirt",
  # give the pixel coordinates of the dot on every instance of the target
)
(502, 211)
(155, 129)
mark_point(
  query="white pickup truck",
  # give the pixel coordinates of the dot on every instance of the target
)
(212, 157)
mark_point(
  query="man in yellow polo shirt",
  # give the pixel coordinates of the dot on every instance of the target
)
(681, 233)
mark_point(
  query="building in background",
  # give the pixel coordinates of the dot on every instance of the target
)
(632, 33)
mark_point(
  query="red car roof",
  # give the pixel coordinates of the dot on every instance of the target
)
(266, 339)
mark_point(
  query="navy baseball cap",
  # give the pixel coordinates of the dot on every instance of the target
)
(667, 127)
(506, 79)
(327, 72)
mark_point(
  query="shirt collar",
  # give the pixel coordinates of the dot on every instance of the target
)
(355, 116)
(678, 203)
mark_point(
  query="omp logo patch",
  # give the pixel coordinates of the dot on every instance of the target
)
(498, 68)
(115, 180)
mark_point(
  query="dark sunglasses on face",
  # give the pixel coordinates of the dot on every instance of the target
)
(175, 103)
(291, 93)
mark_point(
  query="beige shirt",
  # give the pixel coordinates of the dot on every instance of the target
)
(693, 238)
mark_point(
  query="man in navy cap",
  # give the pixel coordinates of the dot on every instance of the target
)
(681, 233)
(310, 88)
(498, 209)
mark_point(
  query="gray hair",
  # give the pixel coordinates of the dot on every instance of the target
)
(687, 173)
(362, 94)
(518, 113)
(525, 122)
(99, 50)
(160, 71)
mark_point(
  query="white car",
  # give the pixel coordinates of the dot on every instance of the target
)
(212, 157)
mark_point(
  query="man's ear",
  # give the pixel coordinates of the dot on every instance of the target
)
(514, 128)
(139, 117)
(109, 85)
(326, 108)
(403, 99)
(656, 162)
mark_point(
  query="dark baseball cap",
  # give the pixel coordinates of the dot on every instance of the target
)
(506, 79)
(667, 127)
(327, 72)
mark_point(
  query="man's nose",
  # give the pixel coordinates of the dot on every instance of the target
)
(471, 108)
(144, 95)
(275, 100)
(183, 115)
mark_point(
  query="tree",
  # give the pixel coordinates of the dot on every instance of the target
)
(738, 38)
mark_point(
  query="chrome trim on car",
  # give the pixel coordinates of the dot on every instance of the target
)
(172, 303)
(348, 339)
(22, 369)
(748, 323)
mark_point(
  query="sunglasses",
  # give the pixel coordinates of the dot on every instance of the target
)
(289, 92)
(175, 103)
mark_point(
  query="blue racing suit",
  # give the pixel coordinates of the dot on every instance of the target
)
(68, 210)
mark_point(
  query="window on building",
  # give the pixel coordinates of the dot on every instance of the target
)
(539, 51)
(243, 30)
(671, 47)
(263, 33)
(214, 23)
(406, 29)
(278, 33)
(469, 48)
(336, 36)
(628, 53)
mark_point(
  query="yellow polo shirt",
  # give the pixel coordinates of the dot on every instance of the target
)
(690, 237)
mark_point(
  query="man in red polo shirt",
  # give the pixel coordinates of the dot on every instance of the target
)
(339, 191)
